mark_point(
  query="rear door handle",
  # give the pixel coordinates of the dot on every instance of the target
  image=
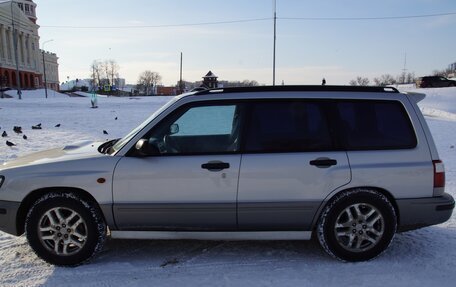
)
(323, 162)
(215, 165)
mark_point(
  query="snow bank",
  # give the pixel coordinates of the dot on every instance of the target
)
(36, 94)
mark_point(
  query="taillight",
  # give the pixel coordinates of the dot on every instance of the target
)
(439, 173)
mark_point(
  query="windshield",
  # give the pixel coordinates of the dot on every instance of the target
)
(119, 144)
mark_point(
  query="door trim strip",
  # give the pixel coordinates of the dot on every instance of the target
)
(213, 235)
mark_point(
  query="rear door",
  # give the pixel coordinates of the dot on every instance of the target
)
(290, 163)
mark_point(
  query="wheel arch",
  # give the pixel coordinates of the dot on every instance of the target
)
(332, 196)
(33, 196)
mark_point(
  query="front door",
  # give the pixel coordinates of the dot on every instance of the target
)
(190, 183)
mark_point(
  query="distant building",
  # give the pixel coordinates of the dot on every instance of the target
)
(452, 67)
(20, 16)
(166, 91)
(119, 83)
(52, 70)
(210, 81)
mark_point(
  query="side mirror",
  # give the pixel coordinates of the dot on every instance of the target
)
(144, 148)
(173, 129)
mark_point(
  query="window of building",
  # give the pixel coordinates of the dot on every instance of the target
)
(287, 126)
(376, 125)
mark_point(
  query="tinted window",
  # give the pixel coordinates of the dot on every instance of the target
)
(198, 130)
(287, 126)
(375, 125)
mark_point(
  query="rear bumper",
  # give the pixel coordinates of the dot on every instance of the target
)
(421, 212)
(8, 212)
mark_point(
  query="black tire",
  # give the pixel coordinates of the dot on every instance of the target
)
(338, 241)
(70, 241)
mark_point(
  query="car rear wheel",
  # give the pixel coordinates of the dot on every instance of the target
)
(357, 225)
(64, 229)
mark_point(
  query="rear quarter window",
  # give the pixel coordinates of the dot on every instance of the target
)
(375, 125)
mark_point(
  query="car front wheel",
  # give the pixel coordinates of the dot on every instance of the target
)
(357, 225)
(64, 229)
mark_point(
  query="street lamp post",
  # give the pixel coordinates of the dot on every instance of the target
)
(44, 68)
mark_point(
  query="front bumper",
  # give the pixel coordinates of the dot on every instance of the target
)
(421, 212)
(8, 213)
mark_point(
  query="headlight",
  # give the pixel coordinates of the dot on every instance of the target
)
(2, 179)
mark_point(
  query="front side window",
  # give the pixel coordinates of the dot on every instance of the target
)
(376, 125)
(198, 130)
(288, 126)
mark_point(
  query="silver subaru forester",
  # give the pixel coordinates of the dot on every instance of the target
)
(349, 165)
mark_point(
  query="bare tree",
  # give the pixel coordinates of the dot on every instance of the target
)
(147, 80)
(247, 83)
(96, 73)
(359, 81)
(113, 70)
(385, 80)
(105, 67)
(410, 78)
(442, 73)
(104, 73)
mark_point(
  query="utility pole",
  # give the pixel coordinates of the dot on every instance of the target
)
(404, 71)
(16, 57)
(274, 48)
(44, 69)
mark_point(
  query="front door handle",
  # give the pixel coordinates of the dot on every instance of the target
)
(323, 162)
(215, 165)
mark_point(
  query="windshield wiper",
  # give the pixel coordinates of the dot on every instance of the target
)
(104, 148)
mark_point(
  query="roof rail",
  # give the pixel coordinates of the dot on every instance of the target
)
(314, 88)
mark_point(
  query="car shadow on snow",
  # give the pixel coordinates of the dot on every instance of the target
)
(432, 242)
(411, 254)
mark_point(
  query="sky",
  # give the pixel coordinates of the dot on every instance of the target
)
(306, 49)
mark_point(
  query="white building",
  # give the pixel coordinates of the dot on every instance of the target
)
(18, 21)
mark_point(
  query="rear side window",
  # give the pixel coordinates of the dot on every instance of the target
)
(375, 125)
(287, 126)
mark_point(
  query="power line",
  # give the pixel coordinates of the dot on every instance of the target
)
(366, 18)
(159, 26)
(253, 20)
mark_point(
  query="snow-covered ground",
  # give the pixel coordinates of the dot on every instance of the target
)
(36, 94)
(425, 257)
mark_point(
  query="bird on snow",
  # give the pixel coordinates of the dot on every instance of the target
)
(8, 143)
(24, 137)
(105, 132)
(57, 125)
(115, 119)
(17, 129)
(4, 134)
(36, 127)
